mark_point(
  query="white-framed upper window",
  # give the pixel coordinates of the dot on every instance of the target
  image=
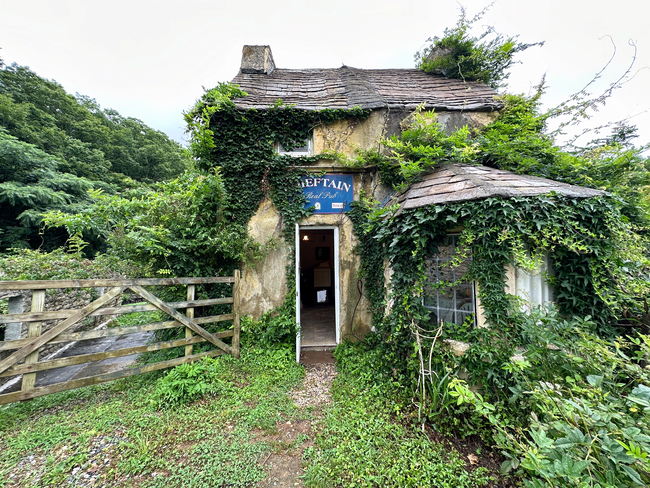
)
(454, 302)
(306, 149)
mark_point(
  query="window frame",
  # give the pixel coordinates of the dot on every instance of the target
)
(294, 153)
(437, 309)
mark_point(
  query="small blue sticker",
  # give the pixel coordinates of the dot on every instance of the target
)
(329, 193)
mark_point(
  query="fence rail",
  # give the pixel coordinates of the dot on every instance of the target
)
(24, 360)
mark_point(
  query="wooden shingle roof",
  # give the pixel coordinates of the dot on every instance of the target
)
(463, 182)
(346, 87)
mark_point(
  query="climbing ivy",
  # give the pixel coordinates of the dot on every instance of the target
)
(597, 245)
(598, 269)
(243, 144)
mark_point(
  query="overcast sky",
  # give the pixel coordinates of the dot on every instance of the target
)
(150, 58)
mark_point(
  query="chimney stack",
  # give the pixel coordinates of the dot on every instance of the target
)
(257, 59)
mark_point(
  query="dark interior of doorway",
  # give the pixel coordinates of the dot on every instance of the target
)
(317, 308)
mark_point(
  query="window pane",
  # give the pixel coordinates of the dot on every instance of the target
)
(462, 269)
(430, 299)
(461, 317)
(446, 302)
(445, 250)
(445, 316)
(445, 273)
(451, 304)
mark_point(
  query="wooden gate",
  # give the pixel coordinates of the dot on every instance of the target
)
(27, 349)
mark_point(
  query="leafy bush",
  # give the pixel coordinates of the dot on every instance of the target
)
(275, 327)
(178, 228)
(460, 55)
(588, 406)
(189, 382)
(27, 264)
(367, 439)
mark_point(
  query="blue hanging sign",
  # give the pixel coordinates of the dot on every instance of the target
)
(329, 193)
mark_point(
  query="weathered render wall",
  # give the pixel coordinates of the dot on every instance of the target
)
(347, 136)
(265, 283)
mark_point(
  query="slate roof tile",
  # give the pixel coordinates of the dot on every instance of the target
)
(347, 87)
(463, 182)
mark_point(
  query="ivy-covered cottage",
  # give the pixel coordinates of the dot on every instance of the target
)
(277, 134)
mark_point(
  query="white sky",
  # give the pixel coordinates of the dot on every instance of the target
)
(150, 58)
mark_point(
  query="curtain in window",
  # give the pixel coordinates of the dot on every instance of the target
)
(533, 287)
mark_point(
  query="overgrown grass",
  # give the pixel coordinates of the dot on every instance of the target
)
(215, 422)
(368, 440)
(211, 442)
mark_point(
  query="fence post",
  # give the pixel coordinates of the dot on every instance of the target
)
(236, 312)
(189, 313)
(38, 304)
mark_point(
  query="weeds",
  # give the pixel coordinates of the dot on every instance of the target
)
(367, 440)
(158, 424)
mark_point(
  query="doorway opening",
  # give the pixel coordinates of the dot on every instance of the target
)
(317, 288)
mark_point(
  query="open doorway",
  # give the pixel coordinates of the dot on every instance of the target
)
(317, 256)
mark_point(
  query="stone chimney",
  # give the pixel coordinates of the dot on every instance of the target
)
(257, 59)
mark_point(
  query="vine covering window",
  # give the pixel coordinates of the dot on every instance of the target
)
(449, 295)
(305, 149)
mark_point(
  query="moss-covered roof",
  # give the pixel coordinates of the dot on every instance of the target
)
(463, 182)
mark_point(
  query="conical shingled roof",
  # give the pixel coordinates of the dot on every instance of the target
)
(463, 182)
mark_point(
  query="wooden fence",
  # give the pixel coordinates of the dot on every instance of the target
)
(27, 349)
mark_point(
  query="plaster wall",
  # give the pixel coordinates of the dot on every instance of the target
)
(452, 121)
(265, 282)
(347, 136)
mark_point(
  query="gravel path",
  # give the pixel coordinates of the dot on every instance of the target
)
(316, 388)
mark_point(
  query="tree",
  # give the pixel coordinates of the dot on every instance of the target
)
(90, 142)
(30, 183)
(54, 147)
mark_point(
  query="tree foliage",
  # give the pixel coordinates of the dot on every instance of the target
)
(54, 147)
(31, 183)
(91, 142)
(175, 228)
(458, 54)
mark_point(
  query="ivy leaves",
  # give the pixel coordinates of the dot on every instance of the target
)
(242, 144)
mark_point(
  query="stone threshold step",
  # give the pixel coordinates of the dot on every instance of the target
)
(319, 347)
